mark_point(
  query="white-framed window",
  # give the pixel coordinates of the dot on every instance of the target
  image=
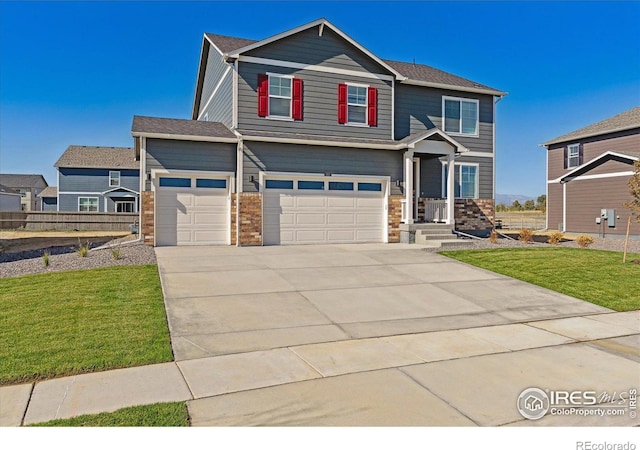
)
(125, 206)
(573, 155)
(466, 180)
(114, 178)
(280, 95)
(460, 115)
(88, 204)
(356, 104)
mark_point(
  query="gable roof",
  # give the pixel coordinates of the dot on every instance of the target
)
(79, 156)
(48, 192)
(629, 157)
(14, 180)
(409, 73)
(6, 190)
(624, 121)
(181, 129)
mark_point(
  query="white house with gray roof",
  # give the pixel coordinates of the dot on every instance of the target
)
(309, 137)
(98, 179)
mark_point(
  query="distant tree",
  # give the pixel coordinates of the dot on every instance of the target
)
(541, 203)
(516, 206)
(634, 190)
(529, 205)
(501, 207)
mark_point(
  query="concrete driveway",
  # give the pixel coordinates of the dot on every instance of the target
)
(376, 334)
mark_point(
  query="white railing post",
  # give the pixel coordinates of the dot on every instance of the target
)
(408, 185)
(450, 219)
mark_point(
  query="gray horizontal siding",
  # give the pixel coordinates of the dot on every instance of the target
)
(307, 158)
(485, 173)
(214, 71)
(221, 107)
(69, 202)
(419, 108)
(95, 180)
(329, 50)
(187, 155)
(431, 176)
(49, 204)
(320, 104)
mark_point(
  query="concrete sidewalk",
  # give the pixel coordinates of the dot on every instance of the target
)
(456, 377)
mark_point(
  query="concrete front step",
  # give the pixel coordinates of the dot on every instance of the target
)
(434, 236)
(444, 243)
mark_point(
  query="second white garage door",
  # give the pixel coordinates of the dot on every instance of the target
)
(192, 211)
(316, 210)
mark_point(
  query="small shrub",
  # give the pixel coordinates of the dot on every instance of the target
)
(45, 259)
(83, 249)
(115, 252)
(526, 235)
(493, 237)
(585, 241)
(556, 237)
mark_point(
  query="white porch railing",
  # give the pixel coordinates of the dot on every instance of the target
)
(435, 210)
(403, 209)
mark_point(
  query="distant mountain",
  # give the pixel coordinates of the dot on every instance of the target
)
(508, 199)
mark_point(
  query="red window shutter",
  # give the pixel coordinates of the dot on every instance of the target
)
(372, 106)
(297, 99)
(342, 103)
(263, 95)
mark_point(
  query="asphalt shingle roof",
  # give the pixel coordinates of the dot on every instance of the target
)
(181, 127)
(415, 72)
(49, 191)
(77, 156)
(7, 190)
(21, 180)
(623, 121)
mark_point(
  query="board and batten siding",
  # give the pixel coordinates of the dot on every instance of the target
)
(592, 148)
(320, 104)
(419, 108)
(189, 155)
(95, 180)
(262, 156)
(585, 199)
(220, 109)
(329, 50)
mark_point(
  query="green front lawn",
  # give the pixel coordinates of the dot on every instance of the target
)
(157, 415)
(596, 276)
(68, 323)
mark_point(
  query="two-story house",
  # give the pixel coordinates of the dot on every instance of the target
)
(587, 176)
(29, 186)
(308, 137)
(98, 179)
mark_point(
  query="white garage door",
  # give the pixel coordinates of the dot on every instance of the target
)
(323, 210)
(192, 211)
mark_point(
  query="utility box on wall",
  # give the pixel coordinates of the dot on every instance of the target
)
(609, 215)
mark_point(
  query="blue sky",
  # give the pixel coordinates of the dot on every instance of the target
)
(77, 72)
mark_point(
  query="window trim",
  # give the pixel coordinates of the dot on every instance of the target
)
(576, 156)
(459, 164)
(131, 202)
(111, 173)
(461, 99)
(364, 124)
(288, 118)
(97, 199)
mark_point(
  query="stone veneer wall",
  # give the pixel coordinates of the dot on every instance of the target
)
(146, 226)
(234, 211)
(474, 214)
(395, 217)
(249, 205)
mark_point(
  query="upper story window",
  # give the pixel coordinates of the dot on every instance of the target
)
(357, 105)
(114, 178)
(573, 156)
(460, 115)
(279, 96)
(466, 181)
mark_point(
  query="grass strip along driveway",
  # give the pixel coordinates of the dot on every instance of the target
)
(596, 276)
(68, 323)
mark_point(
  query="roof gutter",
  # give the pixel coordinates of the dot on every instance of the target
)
(455, 88)
(183, 137)
(323, 142)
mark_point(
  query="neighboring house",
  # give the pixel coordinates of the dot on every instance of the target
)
(587, 176)
(49, 198)
(28, 186)
(98, 179)
(308, 137)
(9, 199)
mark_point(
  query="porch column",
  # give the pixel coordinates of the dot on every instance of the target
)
(408, 186)
(451, 190)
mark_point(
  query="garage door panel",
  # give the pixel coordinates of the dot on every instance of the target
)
(341, 202)
(341, 235)
(307, 218)
(310, 201)
(210, 219)
(341, 219)
(371, 202)
(367, 219)
(308, 236)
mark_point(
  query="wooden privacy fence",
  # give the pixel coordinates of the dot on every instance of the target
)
(66, 221)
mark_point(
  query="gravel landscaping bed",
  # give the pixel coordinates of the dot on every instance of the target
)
(67, 258)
